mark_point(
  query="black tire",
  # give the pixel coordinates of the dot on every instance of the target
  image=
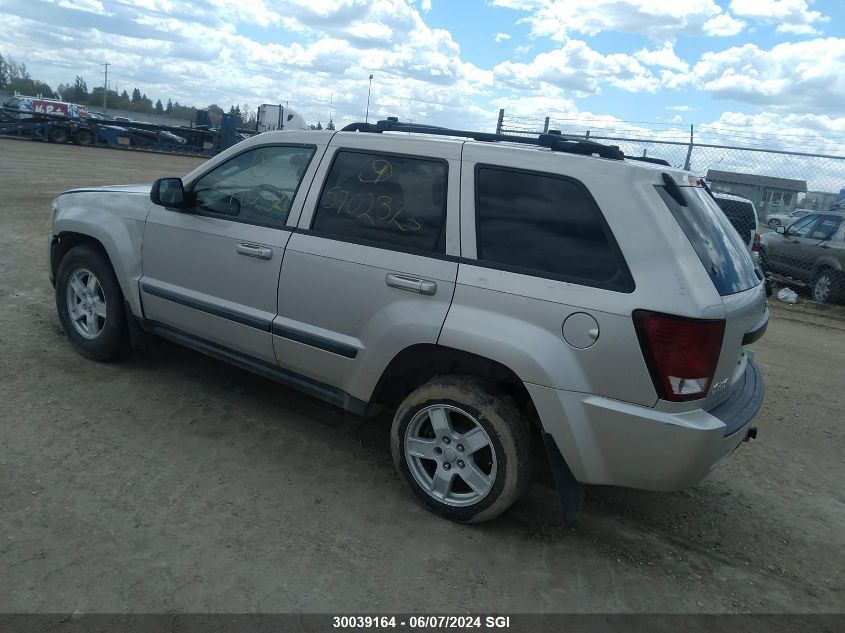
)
(773, 224)
(828, 286)
(84, 137)
(505, 426)
(764, 265)
(113, 337)
(58, 134)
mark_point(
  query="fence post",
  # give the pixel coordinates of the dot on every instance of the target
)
(546, 126)
(500, 121)
(688, 161)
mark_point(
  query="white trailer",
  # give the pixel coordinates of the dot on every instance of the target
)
(278, 117)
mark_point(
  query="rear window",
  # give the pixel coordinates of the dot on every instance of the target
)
(717, 244)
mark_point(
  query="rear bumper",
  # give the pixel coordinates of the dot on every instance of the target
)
(615, 443)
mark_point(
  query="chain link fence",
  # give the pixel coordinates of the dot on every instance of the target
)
(798, 196)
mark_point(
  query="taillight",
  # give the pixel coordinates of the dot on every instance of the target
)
(755, 246)
(681, 353)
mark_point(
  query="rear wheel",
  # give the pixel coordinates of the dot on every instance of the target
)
(462, 448)
(84, 137)
(58, 134)
(827, 286)
(773, 224)
(90, 304)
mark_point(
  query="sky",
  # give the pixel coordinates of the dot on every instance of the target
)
(756, 70)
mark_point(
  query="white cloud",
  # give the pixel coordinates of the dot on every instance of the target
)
(425, 5)
(577, 68)
(791, 16)
(501, 37)
(657, 19)
(723, 24)
(802, 76)
(664, 57)
(681, 108)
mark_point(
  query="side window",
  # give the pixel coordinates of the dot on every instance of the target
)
(826, 228)
(802, 226)
(532, 222)
(256, 187)
(388, 200)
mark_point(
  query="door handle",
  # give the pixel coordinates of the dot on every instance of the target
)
(412, 284)
(254, 250)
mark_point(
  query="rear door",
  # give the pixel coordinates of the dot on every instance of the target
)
(213, 271)
(371, 268)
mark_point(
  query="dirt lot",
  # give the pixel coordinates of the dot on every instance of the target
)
(171, 482)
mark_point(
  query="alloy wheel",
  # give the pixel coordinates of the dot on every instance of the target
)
(821, 290)
(450, 455)
(86, 303)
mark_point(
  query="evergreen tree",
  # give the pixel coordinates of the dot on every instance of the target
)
(4, 72)
(169, 108)
(159, 109)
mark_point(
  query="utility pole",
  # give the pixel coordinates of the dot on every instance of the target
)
(369, 90)
(106, 82)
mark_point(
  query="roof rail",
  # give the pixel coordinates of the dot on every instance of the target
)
(649, 159)
(552, 139)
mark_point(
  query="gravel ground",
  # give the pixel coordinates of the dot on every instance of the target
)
(172, 482)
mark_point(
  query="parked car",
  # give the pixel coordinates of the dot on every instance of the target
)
(785, 219)
(497, 297)
(812, 251)
(742, 214)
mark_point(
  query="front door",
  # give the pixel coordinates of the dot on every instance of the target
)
(212, 271)
(372, 267)
(784, 254)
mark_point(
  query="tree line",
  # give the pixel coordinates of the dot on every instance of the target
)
(15, 77)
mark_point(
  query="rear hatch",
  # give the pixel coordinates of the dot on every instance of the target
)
(728, 263)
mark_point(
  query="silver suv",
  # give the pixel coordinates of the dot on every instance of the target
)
(505, 299)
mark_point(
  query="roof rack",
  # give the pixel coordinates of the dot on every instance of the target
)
(649, 159)
(552, 139)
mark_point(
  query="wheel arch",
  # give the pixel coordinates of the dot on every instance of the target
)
(826, 263)
(67, 238)
(419, 363)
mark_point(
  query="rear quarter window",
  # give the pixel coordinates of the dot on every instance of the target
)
(545, 225)
(714, 240)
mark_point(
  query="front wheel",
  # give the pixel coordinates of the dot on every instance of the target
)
(828, 287)
(462, 448)
(90, 304)
(773, 224)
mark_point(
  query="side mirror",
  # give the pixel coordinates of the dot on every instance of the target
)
(168, 192)
(781, 229)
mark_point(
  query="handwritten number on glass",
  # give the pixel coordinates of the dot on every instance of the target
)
(375, 171)
(387, 209)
